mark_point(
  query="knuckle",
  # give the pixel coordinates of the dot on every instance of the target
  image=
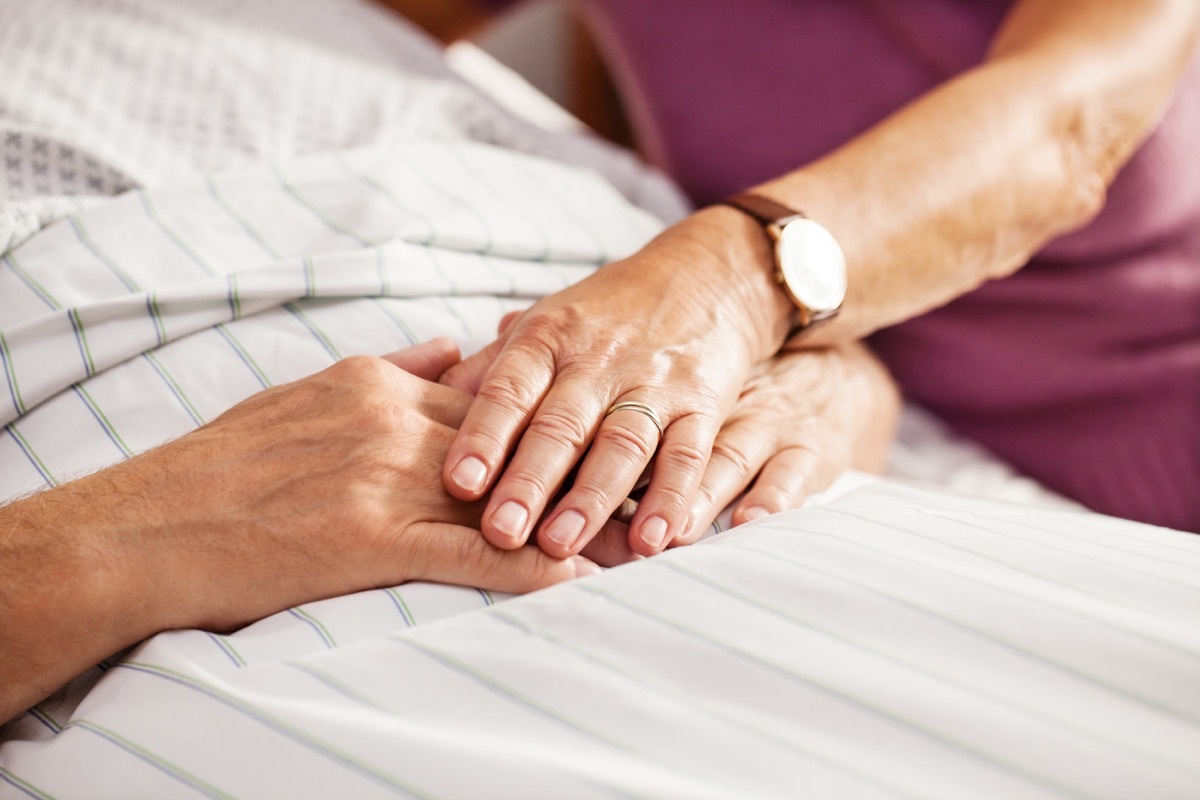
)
(634, 446)
(527, 486)
(671, 499)
(360, 369)
(687, 458)
(540, 334)
(733, 456)
(562, 427)
(508, 390)
(591, 500)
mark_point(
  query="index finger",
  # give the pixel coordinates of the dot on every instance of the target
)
(503, 406)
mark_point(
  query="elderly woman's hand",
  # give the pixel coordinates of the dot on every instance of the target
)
(803, 418)
(585, 377)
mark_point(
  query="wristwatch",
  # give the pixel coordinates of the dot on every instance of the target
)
(809, 263)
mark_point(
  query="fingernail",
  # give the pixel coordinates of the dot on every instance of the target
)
(755, 512)
(654, 532)
(469, 474)
(510, 519)
(585, 568)
(565, 528)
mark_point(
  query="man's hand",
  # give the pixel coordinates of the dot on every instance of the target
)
(328, 485)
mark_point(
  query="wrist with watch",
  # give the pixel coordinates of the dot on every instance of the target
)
(809, 264)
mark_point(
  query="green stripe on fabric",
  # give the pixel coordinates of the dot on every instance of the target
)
(247, 359)
(160, 328)
(522, 700)
(439, 187)
(352, 694)
(1145, 540)
(227, 647)
(280, 727)
(386, 192)
(109, 428)
(32, 454)
(337, 685)
(85, 349)
(24, 785)
(243, 224)
(142, 753)
(175, 388)
(478, 176)
(178, 240)
(405, 611)
(45, 718)
(30, 281)
(316, 624)
(10, 373)
(942, 678)
(76, 222)
(965, 627)
(235, 300)
(688, 702)
(310, 278)
(396, 320)
(314, 329)
(316, 212)
(564, 207)
(897, 720)
(1191, 587)
(1108, 623)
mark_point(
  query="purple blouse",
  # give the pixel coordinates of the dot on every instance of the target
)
(1083, 369)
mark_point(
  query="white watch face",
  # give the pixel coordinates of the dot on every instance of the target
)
(812, 264)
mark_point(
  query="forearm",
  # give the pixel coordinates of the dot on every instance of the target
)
(74, 586)
(966, 183)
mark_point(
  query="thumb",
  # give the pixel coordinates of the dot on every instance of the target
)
(457, 555)
(427, 360)
(507, 320)
(469, 373)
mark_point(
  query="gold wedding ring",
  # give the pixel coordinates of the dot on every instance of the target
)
(641, 408)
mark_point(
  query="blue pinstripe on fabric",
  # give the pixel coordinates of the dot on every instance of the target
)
(689, 704)
(943, 618)
(157, 762)
(15, 435)
(23, 786)
(983, 757)
(1032, 712)
(1174, 647)
(310, 742)
(102, 421)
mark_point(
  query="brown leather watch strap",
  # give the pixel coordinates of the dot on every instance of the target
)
(763, 209)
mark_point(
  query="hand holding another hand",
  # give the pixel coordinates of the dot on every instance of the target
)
(667, 336)
(320, 487)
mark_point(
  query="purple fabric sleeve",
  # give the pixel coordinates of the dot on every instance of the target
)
(1083, 369)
